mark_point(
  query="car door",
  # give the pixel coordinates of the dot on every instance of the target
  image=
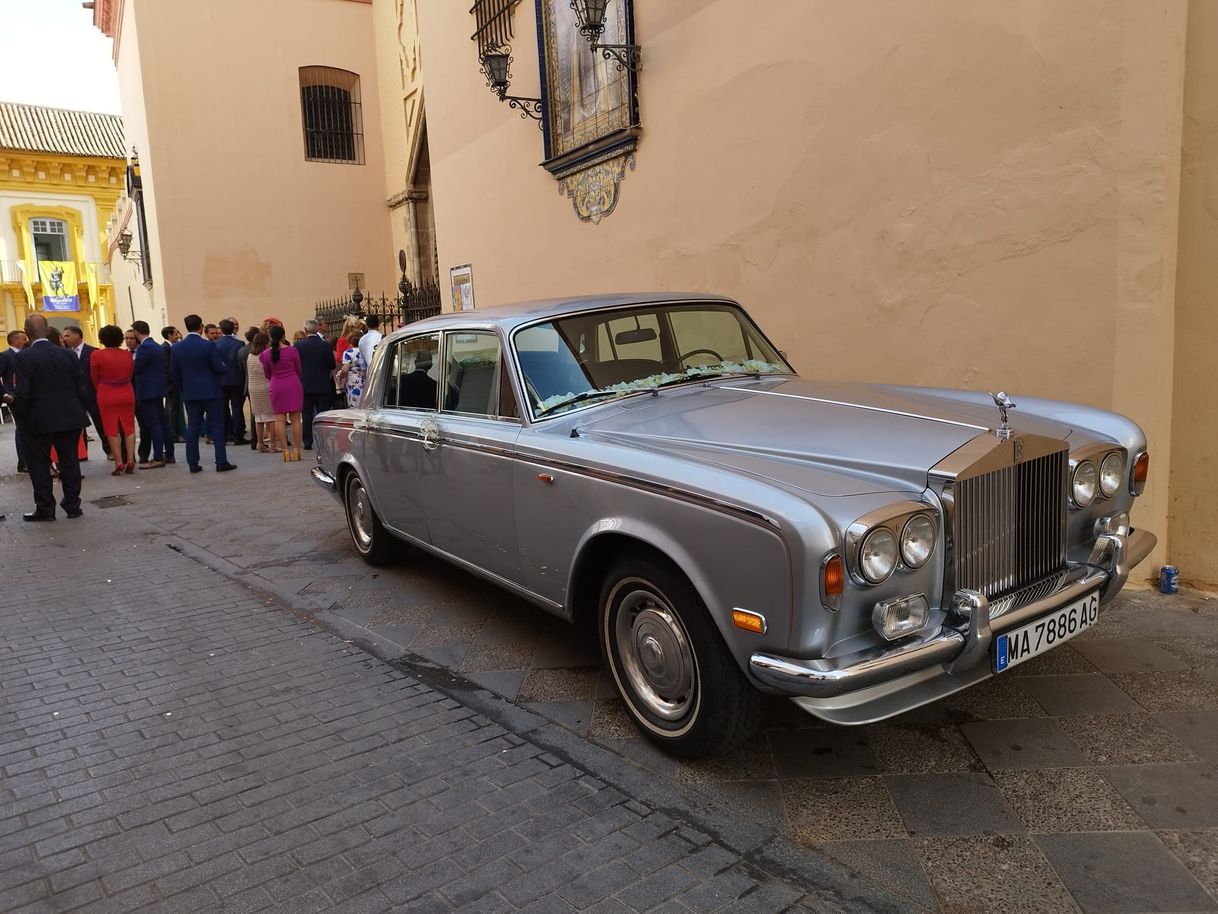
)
(406, 395)
(468, 462)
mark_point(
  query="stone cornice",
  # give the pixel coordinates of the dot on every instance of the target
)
(405, 196)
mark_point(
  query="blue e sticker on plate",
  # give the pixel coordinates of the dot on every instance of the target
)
(1000, 654)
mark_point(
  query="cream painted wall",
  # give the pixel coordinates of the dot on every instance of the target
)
(1194, 476)
(947, 193)
(243, 224)
(132, 301)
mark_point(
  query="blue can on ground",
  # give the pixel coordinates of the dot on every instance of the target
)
(1169, 579)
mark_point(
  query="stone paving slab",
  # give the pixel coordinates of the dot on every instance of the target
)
(1072, 743)
(172, 740)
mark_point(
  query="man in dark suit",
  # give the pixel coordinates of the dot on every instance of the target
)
(51, 403)
(149, 382)
(233, 383)
(173, 402)
(316, 377)
(197, 369)
(17, 340)
(74, 339)
(418, 388)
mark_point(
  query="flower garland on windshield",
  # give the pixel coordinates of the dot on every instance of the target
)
(747, 367)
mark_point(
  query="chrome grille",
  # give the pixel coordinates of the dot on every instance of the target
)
(1009, 525)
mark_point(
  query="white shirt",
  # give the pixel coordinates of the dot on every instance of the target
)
(367, 343)
(79, 348)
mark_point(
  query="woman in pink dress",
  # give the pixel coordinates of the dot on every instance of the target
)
(281, 364)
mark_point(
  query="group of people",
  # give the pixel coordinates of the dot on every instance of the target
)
(54, 390)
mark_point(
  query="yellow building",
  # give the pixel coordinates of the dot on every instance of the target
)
(61, 175)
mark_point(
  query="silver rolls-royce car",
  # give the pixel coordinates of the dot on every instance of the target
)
(651, 465)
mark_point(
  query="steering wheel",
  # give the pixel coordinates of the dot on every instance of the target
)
(685, 355)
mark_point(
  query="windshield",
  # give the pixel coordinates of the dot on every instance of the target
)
(589, 358)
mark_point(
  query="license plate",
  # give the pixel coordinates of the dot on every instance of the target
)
(1025, 642)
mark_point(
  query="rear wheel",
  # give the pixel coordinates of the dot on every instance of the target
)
(372, 541)
(677, 678)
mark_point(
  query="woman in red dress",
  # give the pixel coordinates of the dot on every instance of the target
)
(111, 370)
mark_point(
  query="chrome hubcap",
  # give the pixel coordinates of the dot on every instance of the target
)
(360, 513)
(656, 655)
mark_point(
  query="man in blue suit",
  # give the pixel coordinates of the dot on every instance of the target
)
(51, 403)
(316, 377)
(197, 368)
(149, 382)
(233, 383)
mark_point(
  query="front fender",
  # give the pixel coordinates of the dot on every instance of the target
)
(749, 568)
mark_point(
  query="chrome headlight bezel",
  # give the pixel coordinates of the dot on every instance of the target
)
(1079, 497)
(890, 551)
(930, 536)
(1112, 473)
(893, 519)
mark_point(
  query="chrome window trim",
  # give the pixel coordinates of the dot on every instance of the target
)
(514, 420)
(378, 377)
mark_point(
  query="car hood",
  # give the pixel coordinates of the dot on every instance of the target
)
(818, 437)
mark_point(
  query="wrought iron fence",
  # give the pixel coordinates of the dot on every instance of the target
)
(412, 303)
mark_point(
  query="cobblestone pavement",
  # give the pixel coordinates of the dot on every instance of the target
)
(172, 740)
(1084, 780)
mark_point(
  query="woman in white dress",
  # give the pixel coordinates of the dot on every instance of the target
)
(260, 397)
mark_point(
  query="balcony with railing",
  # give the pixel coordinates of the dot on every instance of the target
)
(11, 272)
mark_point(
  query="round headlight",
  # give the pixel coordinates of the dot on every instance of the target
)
(917, 540)
(1083, 484)
(1112, 474)
(878, 555)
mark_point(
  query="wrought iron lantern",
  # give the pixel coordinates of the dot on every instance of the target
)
(590, 16)
(495, 64)
(124, 248)
(357, 299)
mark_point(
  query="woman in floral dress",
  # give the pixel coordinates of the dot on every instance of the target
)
(353, 369)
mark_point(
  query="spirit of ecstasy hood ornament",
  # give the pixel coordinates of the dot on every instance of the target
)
(1003, 402)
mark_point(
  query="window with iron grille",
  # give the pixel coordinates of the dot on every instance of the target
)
(331, 115)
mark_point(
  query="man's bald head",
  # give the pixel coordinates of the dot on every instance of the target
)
(36, 327)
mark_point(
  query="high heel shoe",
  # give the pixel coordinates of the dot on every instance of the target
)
(130, 466)
(118, 471)
(287, 456)
(296, 454)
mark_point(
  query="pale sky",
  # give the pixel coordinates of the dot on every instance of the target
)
(50, 54)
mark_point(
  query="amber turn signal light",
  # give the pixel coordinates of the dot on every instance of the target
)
(749, 621)
(834, 576)
(1141, 469)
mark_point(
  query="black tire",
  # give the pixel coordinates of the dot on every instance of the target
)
(680, 684)
(372, 541)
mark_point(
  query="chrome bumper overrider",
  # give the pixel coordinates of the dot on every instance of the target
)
(964, 642)
(322, 478)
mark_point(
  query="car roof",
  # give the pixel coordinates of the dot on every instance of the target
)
(510, 316)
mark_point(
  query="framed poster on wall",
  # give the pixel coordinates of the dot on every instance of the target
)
(462, 278)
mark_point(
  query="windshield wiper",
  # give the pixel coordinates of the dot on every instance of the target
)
(580, 398)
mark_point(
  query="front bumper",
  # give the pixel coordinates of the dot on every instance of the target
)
(880, 682)
(324, 479)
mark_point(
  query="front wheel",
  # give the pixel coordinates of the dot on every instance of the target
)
(373, 542)
(677, 678)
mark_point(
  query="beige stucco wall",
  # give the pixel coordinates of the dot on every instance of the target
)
(947, 193)
(244, 226)
(132, 300)
(1194, 477)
